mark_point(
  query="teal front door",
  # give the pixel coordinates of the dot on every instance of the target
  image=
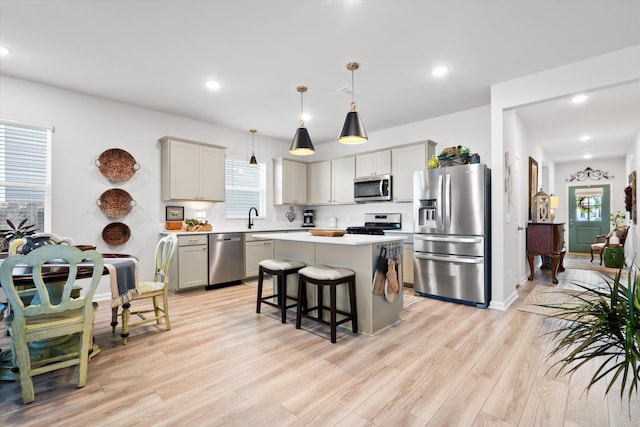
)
(589, 208)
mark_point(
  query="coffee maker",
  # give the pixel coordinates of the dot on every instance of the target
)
(308, 218)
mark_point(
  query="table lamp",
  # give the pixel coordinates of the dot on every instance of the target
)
(554, 203)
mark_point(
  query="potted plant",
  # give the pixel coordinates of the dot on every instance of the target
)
(463, 155)
(618, 220)
(445, 158)
(602, 326)
(15, 232)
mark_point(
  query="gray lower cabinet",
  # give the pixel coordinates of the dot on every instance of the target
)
(407, 263)
(189, 267)
(255, 251)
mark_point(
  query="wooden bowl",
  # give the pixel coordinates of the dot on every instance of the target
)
(328, 233)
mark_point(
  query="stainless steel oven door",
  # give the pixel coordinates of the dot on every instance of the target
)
(450, 276)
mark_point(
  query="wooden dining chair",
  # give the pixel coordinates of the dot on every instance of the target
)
(51, 313)
(158, 288)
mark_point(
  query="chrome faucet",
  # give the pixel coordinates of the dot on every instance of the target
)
(251, 222)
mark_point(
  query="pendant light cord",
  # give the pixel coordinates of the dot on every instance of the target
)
(353, 90)
(301, 109)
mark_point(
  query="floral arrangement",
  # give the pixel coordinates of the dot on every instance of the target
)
(618, 220)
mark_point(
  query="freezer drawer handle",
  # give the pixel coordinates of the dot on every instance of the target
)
(474, 260)
(448, 239)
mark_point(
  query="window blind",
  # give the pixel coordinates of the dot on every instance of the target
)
(24, 174)
(244, 187)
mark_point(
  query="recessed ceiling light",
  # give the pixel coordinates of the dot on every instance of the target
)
(579, 99)
(440, 71)
(213, 85)
(4, 51)
(587, 156)
(585, 138)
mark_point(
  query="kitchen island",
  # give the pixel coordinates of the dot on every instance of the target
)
(356, 252)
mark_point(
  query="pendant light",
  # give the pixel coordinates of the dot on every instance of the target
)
(353, 130)
(253, 161)
(301, 144)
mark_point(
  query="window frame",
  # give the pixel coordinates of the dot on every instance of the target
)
(46, 187)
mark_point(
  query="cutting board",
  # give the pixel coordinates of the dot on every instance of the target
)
(328, 233)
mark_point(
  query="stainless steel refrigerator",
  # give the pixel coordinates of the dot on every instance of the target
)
(452, 240)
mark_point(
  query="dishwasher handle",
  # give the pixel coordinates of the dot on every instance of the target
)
(223, 238)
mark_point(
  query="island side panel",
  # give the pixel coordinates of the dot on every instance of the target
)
(358, 259)
(374, 311)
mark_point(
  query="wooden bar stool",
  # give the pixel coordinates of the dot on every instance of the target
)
(279, 269)
(331, 277)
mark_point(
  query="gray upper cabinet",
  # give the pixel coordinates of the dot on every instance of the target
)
(319, 183)
(342, 173)
(331, 182)
(406, 160)
(191, 170)
(376, 163)
(289, 182)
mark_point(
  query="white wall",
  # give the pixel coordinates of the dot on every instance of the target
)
(605, 70)
(615, 167)
(632, 244)
(85, 126)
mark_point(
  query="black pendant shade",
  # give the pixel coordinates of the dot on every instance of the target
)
(301, 144)
(353, 130)
(252, 160)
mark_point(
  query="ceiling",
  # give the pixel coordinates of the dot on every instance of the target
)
(159, 54)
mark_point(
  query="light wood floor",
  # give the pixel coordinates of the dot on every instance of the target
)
(222, 364)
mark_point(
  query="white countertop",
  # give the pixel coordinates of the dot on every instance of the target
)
(220, 230)
(262, 229)
(347, 239)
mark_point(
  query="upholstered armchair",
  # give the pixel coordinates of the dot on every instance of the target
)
(602, 241)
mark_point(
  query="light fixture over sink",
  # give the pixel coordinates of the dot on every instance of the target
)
(353, 130)
(301, 144)
(253, 161)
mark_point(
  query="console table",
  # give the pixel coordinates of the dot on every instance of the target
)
(546, 239)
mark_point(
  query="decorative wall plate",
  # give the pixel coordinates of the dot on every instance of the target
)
(116, 234)
(117, 164)
(116, 203)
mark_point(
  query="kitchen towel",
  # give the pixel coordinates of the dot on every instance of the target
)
(380, 274)
(392, 288)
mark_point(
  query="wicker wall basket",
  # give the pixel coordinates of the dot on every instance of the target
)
(116, 234)
(115, 203)
(117, 164)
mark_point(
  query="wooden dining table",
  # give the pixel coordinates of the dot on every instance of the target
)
(123, 274)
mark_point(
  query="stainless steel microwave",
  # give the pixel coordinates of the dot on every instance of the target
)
(375, 188)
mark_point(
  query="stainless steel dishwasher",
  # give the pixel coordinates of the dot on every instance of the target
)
(226, 258)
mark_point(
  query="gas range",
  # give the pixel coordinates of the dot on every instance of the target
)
(377, 223)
